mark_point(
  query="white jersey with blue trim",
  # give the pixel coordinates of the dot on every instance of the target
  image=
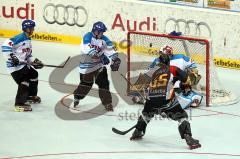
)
(91, 50)
(178, 60)
(181, 61)
(20, 45)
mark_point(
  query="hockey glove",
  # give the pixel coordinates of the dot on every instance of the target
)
(104, 59)
(14, 59)
(37, 64)
(115, 64)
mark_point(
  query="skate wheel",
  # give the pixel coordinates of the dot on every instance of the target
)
(194, 147)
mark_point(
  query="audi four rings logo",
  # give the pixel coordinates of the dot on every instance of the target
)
(187, 24)
(61, 15)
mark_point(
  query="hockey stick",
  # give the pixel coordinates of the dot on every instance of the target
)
(59, 66)
(56, 66)
(119, 132)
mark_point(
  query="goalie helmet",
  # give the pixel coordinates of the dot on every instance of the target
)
(168, 50)
(28, 24)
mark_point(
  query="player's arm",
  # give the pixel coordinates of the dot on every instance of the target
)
(8, 54)
(154, 63)
(111, 51)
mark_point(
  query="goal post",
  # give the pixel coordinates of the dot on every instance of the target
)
(143, 48)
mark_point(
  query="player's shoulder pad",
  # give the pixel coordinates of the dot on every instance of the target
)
(87, 38)
(180, 56)
(19, 38)
(108, 42)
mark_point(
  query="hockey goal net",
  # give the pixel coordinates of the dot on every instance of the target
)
(144, 47)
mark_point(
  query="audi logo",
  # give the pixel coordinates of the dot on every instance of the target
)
(189, 26)
(62, 15)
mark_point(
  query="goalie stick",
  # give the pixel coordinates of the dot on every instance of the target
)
(131, 85)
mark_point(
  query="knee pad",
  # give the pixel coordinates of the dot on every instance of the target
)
(184, 127)
(86, 83)
(103, 84)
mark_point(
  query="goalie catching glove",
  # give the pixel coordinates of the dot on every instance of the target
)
(194, 76)
(115, 64)
(37, 64)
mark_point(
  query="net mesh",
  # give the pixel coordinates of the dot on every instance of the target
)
(144, 48)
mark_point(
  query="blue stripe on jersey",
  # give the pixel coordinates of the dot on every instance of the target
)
(30, 55)
(92, 52)
(19, 38)
(86, 66)
(154, 63)
(193, 65)
(10, 64)
(113, 55)
(180, 56)
(6, 48)
(108, 42)
(89, 63)
(87, 38)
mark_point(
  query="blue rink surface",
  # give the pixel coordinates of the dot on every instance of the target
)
(51, 131)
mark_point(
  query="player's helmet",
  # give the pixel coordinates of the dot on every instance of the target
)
(166, 50)
(99, 26)
(28, 24)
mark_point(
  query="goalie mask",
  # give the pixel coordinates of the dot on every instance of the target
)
(166, 50)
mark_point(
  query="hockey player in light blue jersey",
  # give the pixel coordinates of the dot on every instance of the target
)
(96, 51)
(18, 52)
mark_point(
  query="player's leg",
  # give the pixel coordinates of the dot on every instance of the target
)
(104, 93)
(33, 86)
(175, 112)
(150, 109)
(21, 78)
(85, 85)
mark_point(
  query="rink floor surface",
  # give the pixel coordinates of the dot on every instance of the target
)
(51, 131)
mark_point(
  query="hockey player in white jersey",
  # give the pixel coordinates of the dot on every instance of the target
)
(18, 51)
(96, 51)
